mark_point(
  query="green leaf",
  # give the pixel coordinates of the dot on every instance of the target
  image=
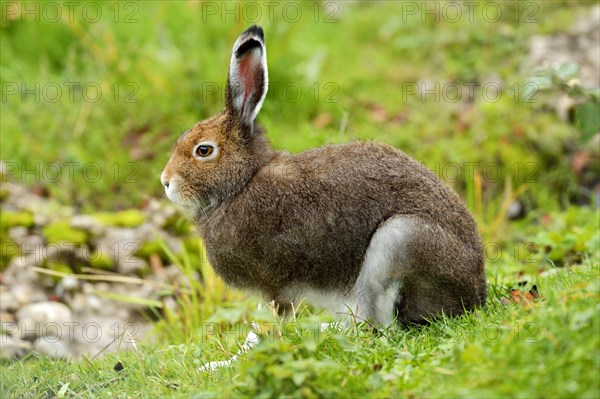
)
(299, 378)
(587, 117)
(62, 391)
(594, 93)
(536, 84)
(567, 71)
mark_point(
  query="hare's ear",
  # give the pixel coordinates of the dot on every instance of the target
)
(248, 78)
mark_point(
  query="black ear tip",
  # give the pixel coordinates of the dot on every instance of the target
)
(255, 31)
(247, 46)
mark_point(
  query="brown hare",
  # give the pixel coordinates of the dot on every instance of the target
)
(358, 228)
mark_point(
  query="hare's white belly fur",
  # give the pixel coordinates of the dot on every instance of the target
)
(378, 287)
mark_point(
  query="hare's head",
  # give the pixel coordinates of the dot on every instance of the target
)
(216, 157)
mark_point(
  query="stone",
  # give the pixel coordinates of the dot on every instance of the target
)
(88, 223)
(66, 285)
(44, 319)
(31, 243)
(13, 348)
(22, 294)
(93, 305)
(119, 243)
(516, 210)
(17, 233)
(132, 265)
(8, 325)
(160, 213)
(8, 302)
(69, 283)
(54, 347)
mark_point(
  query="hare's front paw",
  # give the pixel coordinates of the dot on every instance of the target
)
(252, 339)
(212, 366)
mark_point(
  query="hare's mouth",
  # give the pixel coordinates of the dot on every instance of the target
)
(187, 200)
(174, 194)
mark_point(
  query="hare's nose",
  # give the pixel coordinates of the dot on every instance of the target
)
(164, 180)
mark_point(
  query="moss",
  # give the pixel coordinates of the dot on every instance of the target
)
(61, 231)
(152, 247)
(14, 219)
(3, 194)
(127, 218)
(102, 261)
(144, 272)
(9, 249)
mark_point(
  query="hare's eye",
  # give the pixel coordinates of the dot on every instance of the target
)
(205, 150)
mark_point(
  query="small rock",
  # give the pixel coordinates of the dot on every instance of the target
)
(119, 243)
(23, 294)
(53, 347)
(516, 210)
(31, 244)
(8, 325)
(17, 233)
(69, 283)
(44, 319)
(13, 348)
(90, 304)
(94, 302)
(65, 285)
(18, 270)
(88, 223)
(132, 265)
(8, 302)
(159, 213)
(159, 220)
(87, 287)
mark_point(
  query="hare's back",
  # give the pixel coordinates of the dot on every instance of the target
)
(309, 217)
(375, 179)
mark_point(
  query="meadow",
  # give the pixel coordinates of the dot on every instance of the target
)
(95, 94)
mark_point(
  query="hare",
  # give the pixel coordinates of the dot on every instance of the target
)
(359, 228)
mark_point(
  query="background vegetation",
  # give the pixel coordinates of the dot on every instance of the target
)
(133, 80)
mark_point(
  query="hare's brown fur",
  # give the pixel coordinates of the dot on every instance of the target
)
(271, 220)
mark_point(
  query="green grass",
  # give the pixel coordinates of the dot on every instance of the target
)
(546, 350)
(355, 76)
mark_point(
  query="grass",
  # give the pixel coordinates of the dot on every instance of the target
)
(355, 78)
(546, 350)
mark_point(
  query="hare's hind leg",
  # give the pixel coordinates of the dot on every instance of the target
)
(414, 269)
(378, 289)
